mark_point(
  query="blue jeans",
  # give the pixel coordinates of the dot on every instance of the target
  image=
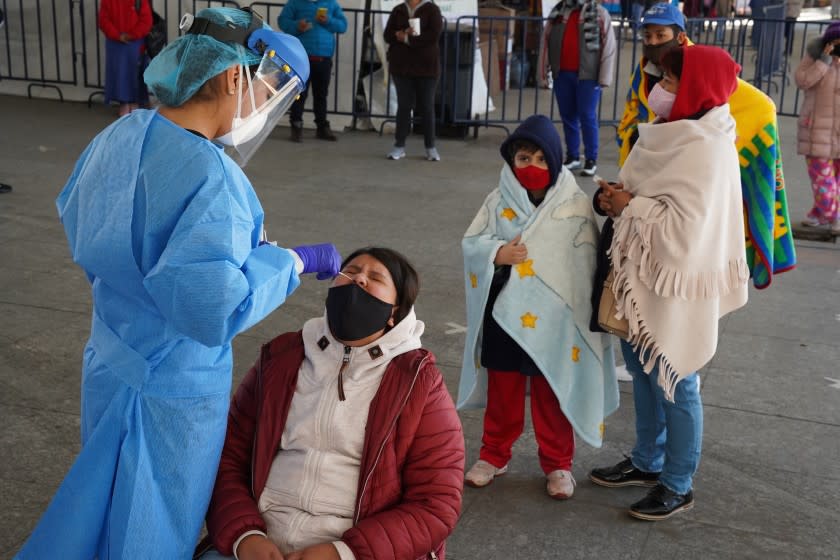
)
(578, 104)
(669, 435)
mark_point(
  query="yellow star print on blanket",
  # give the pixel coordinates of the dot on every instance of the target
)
(529, 321)
(508, 213)
(524, 268)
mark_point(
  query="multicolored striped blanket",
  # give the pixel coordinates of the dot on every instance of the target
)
(769, 237)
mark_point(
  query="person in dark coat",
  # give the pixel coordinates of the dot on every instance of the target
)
(412, 34)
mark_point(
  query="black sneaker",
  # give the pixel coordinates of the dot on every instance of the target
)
(589, 168)
(571, 163)
(623, 474)
(661, 503)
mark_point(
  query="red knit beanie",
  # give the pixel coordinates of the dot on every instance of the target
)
(709, 77)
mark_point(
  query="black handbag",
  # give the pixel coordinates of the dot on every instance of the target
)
(156, 39)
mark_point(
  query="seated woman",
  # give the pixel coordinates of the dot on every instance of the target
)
(343, 441)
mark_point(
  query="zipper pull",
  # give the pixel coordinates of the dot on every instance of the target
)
(345, 361)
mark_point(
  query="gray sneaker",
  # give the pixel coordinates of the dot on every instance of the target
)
(397, 153)
(432, 154)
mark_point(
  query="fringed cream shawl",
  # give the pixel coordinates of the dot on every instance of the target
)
(678, 248)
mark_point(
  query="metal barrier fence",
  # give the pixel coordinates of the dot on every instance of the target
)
(31, 41)
(767, 48)
(363, 56)
(92, 44)
(53, 43)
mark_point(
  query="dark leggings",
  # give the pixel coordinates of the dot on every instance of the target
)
(414, 93)
(319, 79)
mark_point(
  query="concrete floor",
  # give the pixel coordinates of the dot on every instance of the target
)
(768, 485)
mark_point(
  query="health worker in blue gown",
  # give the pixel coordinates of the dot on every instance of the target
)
(170, 234)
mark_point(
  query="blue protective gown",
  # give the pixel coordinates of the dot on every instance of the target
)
(167, 228)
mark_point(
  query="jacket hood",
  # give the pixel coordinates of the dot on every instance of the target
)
(709, 78)
(320, 344)
(541, 131)
(815, 48)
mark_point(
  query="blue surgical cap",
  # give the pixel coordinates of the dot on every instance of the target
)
(185, 64)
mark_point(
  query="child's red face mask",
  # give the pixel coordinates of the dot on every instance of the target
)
(532, 177)
(531, 170)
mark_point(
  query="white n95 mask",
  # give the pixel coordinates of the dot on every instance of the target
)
(243, 130)
(269, 94)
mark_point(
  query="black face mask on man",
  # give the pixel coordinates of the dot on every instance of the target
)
(654, 53)
(354, 314)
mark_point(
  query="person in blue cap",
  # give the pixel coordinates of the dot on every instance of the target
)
(663, 28)
(529, 257)
(769, 244)
(169, 232)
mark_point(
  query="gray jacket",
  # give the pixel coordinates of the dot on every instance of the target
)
(594, 65)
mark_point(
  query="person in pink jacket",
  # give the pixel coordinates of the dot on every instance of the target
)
(342, 442)
(818, 138)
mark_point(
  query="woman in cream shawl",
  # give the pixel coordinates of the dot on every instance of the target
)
(679, 267)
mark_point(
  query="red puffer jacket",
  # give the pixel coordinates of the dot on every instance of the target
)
(412, 466)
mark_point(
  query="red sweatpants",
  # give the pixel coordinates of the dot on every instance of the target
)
(504, 420)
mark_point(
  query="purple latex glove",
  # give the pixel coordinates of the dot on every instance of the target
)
(322, 258)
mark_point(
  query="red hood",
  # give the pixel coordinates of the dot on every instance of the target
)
(709, 77)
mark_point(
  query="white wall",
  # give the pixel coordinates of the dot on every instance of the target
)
(21, 46)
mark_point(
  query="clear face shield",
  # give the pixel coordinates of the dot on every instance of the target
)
(262, 100)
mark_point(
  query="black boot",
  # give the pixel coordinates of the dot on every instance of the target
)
(297, 134)
(325, 133)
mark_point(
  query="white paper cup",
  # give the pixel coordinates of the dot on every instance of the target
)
(415, 25)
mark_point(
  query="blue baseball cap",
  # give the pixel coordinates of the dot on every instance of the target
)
(664, 13)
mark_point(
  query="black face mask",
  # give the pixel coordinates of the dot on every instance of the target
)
(654, 53)
(835, 51)
(354, 314)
